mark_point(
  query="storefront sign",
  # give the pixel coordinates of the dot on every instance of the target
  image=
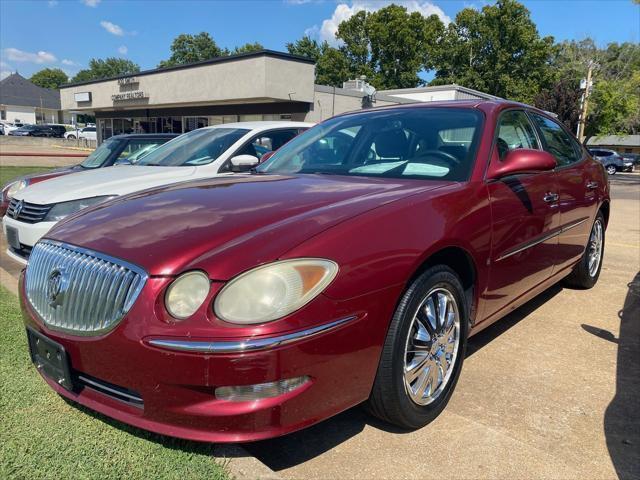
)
(82, 96)
(123, 97)
(128, 80)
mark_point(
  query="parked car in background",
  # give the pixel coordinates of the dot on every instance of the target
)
(612, 161)
(88, 133)
(58, 129)
(634, 158)
(8, 126)
(201, 153)
(351, 267)
(33, 131)
(122, 149)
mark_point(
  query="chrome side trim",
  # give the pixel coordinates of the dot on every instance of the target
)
(541, 239)
(100, 387)
(248, 345)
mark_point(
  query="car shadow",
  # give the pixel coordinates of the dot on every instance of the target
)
(622, 417)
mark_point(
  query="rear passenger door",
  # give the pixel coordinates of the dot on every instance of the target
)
(577, 187)
(525, 219)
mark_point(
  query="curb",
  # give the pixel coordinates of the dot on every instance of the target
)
(235, 459)
(74, 148)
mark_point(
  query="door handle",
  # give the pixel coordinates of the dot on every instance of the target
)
(551, 197)
(592, 185)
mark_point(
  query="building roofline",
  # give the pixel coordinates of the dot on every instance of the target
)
(356, 93)
(230, 58)
(439, 88)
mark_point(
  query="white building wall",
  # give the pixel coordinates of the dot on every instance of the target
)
(15, 113)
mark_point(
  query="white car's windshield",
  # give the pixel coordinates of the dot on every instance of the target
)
(423, 143)
(198, 147)
(100, 154)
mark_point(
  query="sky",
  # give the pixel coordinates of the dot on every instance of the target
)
(67, 33)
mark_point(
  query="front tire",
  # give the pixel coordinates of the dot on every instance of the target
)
(587, 271)
(611, 169)
(423, 353)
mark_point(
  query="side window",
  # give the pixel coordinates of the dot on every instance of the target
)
(559, 143)
(514, 132)
(136, 149)
(267, 142)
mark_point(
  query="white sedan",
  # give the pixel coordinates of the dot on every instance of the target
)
(88, 133)
(203, 153)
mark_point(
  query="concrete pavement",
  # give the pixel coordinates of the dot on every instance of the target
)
(552, 391)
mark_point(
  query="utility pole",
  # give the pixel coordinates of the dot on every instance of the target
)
(585, 103)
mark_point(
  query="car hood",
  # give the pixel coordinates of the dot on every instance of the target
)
(226, 225)
(119, 180)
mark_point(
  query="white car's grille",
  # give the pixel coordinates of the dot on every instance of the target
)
(78, 290)
(27, 212)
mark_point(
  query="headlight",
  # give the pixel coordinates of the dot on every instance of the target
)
(185, 295)
(273, 291)
(15, 187)
(64, 209)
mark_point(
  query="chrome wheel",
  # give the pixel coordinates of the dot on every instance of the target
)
(432, 346)
(594, 248)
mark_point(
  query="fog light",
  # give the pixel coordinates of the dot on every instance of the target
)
(248, 393)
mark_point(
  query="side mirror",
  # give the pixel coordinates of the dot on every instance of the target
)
(243, 163)
(522, 160)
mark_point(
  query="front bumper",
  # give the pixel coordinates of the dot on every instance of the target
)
(28, 236)
(176, 388)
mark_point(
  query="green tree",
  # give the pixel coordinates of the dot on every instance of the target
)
(187, 48)
(247, 48)
(332, 66)
(496, 50)
(109, 67)
(49, 78)
(390, 46)
(616, 107)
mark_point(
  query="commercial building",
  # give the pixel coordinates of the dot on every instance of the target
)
(23, 102)
(264, 85)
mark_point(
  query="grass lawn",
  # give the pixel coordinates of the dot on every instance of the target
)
(9, 173)
(41, 436)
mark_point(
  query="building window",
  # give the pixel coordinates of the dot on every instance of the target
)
(3, 114)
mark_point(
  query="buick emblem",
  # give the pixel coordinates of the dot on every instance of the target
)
(18, 209)
(56, 287)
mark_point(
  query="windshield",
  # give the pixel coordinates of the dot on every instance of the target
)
(198, 147)
(100, 154)
(425, 143)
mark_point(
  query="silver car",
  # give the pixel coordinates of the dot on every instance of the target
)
(612, 161)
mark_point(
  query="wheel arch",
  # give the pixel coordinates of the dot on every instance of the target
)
(605, 209)
(461, 262)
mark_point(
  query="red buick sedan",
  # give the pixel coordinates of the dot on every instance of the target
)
(351, 267)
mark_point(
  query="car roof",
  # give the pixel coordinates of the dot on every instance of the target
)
(125, 136)
(263, 125)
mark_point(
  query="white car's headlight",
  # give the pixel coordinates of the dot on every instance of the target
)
(64, 209)
(186, 293)
(15, 187)
(273, 291)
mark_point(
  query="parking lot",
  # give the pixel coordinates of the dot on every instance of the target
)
(549, 392)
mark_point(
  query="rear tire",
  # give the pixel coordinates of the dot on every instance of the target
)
(71, 137)
(587, 271)
(423, 352)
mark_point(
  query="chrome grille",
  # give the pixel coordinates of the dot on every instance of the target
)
(78, 290)
(28, 212)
